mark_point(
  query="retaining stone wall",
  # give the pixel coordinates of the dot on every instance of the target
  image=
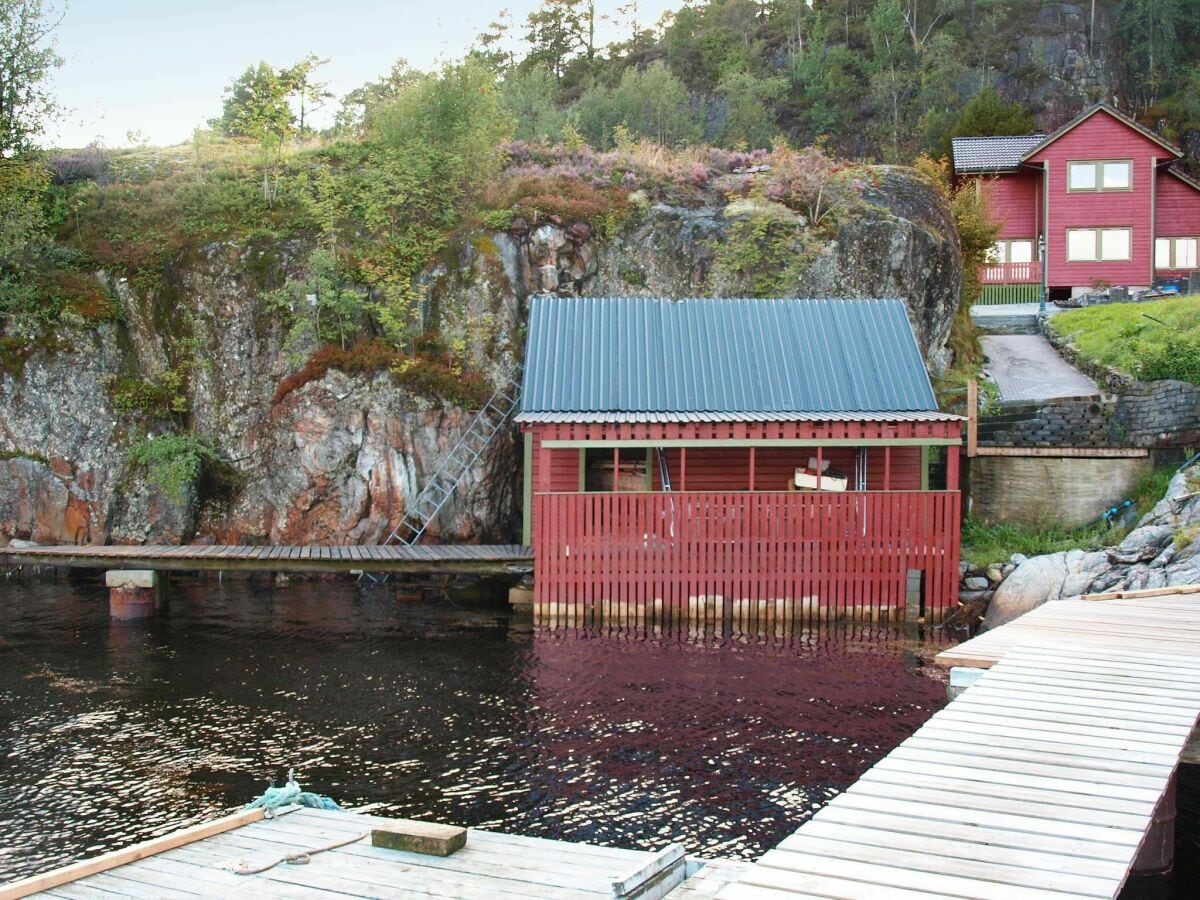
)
(1062, 423)
(1157, 414)
(1145, 414)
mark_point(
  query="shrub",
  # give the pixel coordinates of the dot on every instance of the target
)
(423, 375)
(160, 397)
(1177, 359)
(92, 163)
(173, 463)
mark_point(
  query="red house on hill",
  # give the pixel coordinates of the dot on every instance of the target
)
(1098, 200)
(773, 453)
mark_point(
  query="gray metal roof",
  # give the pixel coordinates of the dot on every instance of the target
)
(993, 154)
(642, 359)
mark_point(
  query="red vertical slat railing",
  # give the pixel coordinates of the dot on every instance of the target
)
(830, 556)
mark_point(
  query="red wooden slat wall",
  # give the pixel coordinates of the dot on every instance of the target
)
(832, 556)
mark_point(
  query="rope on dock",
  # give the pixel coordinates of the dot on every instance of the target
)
(290, 794)
(301, 857)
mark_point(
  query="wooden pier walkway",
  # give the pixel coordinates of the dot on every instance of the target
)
(396, 558)
(1042, 780)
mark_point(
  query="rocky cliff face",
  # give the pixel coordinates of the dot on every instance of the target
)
(338, 459)
(901, 243)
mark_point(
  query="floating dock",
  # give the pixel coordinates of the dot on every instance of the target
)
(206, 860)
(1051, 776)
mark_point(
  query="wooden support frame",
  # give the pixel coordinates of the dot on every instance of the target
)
(527, 489)
(972, 418)
(574, 444)
(1072, 452)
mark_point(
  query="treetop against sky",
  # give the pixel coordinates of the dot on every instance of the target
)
(159, 67)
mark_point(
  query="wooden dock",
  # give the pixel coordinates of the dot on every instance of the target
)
(1043, 779)
(209, 861)
(395, 558)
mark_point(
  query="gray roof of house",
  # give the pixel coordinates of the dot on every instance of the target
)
(642, 359)
(993, 154)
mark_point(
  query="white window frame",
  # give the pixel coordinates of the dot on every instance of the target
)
(1097, 166)
(1173, 253)
(1032, 250)
(1098, 244)
(1000, 253)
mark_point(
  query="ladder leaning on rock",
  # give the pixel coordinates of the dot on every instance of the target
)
(441, 485)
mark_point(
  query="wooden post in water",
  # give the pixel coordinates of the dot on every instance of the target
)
(1156, 856)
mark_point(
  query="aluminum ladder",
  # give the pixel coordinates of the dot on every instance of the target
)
(440, 487)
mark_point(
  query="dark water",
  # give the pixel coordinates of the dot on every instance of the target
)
(114, 733)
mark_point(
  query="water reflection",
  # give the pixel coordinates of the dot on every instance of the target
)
(636, 737)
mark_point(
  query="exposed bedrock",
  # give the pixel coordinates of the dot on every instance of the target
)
(339, 458)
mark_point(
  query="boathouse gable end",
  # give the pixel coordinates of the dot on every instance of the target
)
(701, 438)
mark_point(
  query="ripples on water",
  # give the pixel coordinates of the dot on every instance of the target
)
(115, 733)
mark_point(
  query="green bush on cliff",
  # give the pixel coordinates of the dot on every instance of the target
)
(162, 396)
(173, 463)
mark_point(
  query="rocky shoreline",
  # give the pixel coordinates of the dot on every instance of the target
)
(1162, 551)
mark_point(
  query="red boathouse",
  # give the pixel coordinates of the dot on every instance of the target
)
(692, 452)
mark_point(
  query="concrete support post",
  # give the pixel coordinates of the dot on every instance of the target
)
(914, 596)
(961, 678)
(520, 598)
(1156, 856)
(134, 594)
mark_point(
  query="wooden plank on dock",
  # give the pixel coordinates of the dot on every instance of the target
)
(490, 865)
(451, 558)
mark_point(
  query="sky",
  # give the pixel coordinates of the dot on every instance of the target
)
(159, 67)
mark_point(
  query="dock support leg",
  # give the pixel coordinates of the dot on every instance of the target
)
(961, 678)
(1156, 856)
(134, 594)
(914, 601)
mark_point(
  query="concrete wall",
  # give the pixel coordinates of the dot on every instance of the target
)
(1033, 490)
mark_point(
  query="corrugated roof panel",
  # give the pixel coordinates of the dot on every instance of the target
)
(602, 359)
